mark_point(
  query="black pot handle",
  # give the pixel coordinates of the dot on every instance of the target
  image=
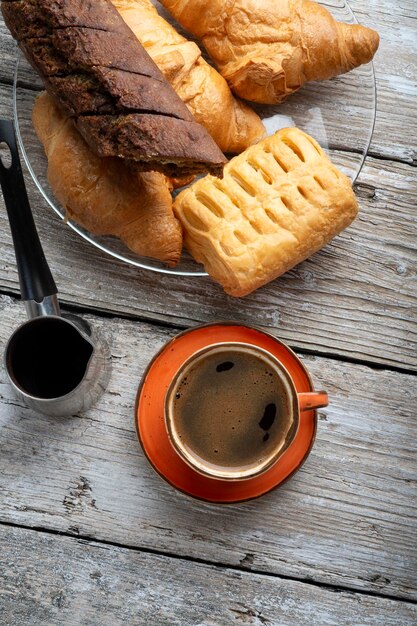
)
(36, 281)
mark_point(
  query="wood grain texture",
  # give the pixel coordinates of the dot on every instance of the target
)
(355, 298)
(347, 518)
(396, 75)
(395, 66)
(46, 579)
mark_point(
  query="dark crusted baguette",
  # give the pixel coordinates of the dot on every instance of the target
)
(97, 70)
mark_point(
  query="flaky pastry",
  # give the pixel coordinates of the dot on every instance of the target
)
(278, 203)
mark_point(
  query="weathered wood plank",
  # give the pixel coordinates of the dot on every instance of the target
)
(49, 580)
(355, 298)
(396, 71)
(347, 518)
(395, 66)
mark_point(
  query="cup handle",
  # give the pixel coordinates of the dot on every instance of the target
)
(312, 400)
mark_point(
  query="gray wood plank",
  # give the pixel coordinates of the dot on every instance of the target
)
(356, 298)
(347, 518)
(396, 71)
(47, 579)
(395, 66)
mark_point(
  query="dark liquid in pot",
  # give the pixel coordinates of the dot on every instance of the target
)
(48, 358)
(231, 409)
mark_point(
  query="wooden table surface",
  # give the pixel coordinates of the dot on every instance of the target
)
(90, 535)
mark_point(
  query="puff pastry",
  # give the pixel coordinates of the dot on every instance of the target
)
(278, 203)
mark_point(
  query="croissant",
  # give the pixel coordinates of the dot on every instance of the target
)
(231, 123)
(267, 49)
(103, 194)
(278, 203)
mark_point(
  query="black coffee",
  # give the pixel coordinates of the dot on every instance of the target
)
(48, 358)
(231, 409)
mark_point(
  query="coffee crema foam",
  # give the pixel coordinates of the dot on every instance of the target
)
(231, 409)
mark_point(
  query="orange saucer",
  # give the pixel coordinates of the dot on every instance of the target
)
(150, 423)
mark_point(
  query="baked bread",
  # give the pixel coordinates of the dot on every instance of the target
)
(267, 49)
(104, 195)
(101, 75)
(278, 203)
(233, 125)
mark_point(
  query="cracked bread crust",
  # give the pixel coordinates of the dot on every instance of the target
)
(111, 92)
(125, 132)
(37, 18)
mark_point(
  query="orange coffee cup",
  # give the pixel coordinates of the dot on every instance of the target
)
(201, 418)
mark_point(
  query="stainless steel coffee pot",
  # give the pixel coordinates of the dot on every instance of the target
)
(57, 363)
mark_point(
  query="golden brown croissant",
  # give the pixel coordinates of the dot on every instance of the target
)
(103, 194)
(278, 203)
(267, 49)
(231, 123)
